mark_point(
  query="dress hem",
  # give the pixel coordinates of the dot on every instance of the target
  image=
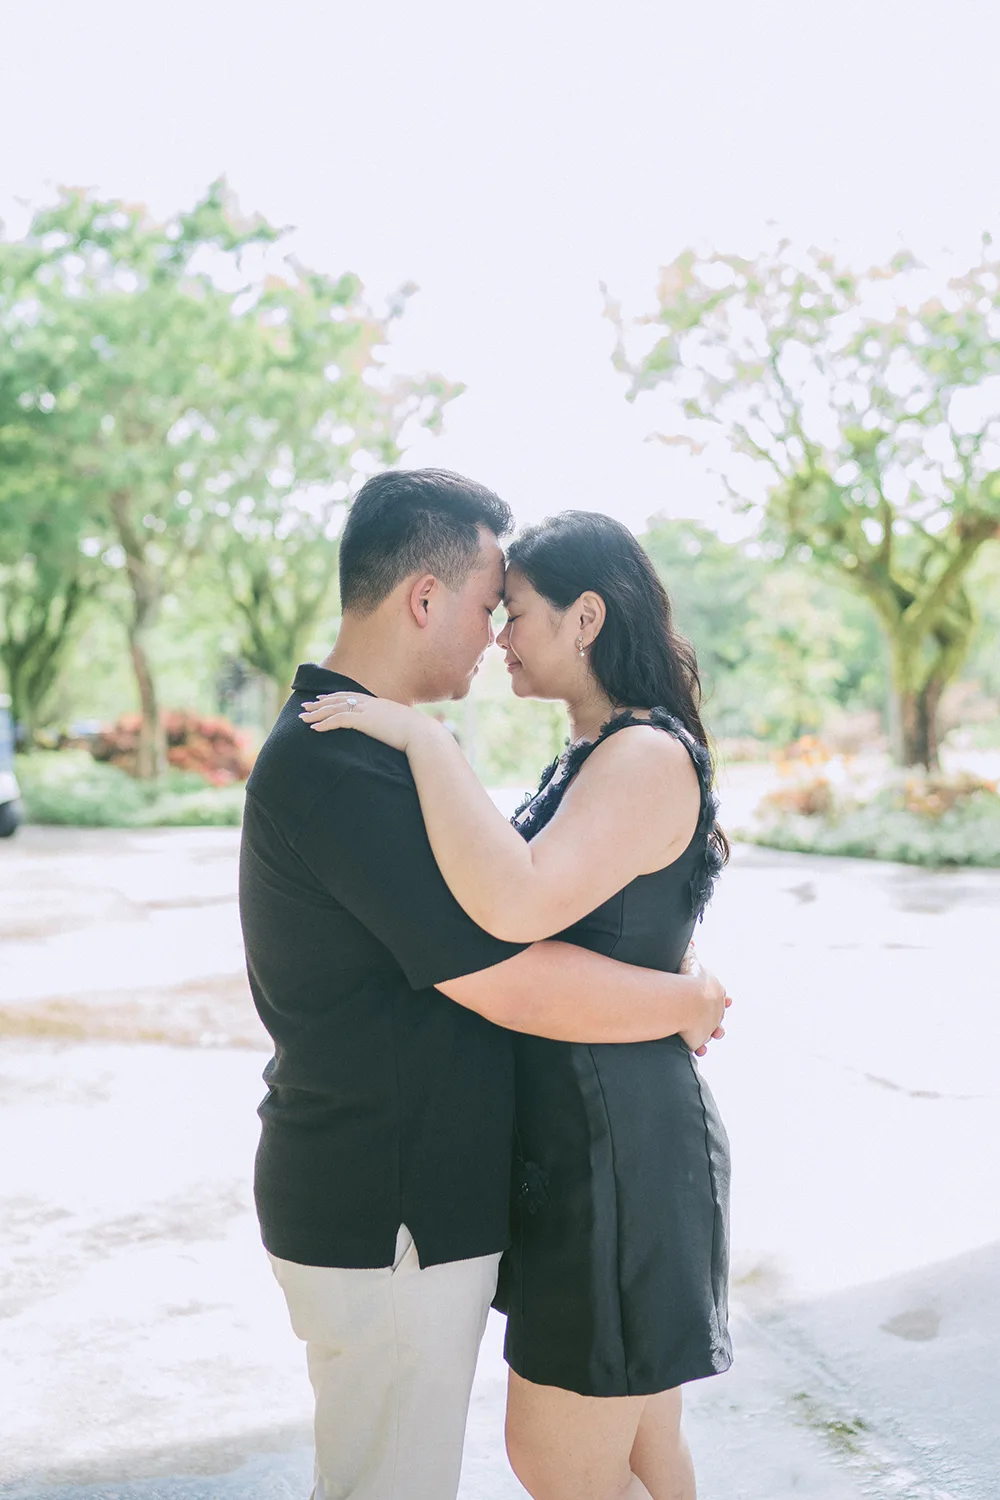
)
(686, 1375)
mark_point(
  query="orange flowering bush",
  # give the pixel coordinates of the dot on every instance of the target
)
(210, 747)
(934, 794)
(812, 797)
(808, 750)
(805, 789)
(923, 818)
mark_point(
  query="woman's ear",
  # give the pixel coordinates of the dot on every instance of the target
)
(591, 613)
(421, 593)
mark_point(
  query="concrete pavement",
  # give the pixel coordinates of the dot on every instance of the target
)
(146, 1349)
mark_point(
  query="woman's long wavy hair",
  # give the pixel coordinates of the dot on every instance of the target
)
(638, 657)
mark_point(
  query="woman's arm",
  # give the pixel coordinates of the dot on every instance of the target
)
(557, 990)
(631, 809)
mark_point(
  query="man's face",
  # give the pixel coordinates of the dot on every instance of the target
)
(461, 625)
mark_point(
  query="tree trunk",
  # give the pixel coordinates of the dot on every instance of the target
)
(151, 757)
(929, 622)
(32, 646)
(921, 670)
(21, 706)
(917, 736)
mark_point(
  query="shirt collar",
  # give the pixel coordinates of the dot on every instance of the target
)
(313, 680)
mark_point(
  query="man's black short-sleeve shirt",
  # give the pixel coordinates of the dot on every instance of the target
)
(386, 1102)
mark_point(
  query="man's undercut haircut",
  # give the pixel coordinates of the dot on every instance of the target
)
(408, 521)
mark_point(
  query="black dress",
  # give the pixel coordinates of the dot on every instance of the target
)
(616, 1281)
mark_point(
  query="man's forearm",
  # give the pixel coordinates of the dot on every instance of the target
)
(567, 993)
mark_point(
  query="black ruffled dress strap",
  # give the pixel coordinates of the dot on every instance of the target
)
(537, 810)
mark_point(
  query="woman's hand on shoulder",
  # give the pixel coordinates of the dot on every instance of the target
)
(381, 719)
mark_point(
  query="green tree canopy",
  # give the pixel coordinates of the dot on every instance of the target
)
(778, 649)
(46, 574)
(204, 410)
(125, 351)
(862, 409)
(45, 580)
(318, 412)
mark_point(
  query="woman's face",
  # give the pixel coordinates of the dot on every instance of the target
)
(538, 642)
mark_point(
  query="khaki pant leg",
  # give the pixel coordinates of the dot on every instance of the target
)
(391, 1354)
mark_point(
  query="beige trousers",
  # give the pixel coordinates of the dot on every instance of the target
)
(391, 1355)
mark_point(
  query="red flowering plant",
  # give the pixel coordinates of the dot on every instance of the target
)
(210, 747)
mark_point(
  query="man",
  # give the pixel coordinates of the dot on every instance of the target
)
(383, 1171)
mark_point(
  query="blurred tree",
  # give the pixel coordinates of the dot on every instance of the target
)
(982, 670)
(317, 413)
(45, 580)
(207, 415)
(801, 657)
(864, 412)
(777, 647)
(45, 574)
(143, 357)
(711, 585)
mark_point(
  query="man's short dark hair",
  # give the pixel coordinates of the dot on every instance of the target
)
(414, 521)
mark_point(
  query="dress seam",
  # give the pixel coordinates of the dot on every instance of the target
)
(711, 1180)
(621, 925)
(618, 1223)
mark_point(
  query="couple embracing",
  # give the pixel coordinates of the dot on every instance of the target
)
(485, 1033)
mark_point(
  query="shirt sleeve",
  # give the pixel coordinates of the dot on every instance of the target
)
(365, 841)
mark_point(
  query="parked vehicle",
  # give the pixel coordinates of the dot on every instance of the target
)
(10, 795)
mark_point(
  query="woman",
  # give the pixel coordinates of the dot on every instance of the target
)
(615, 1285)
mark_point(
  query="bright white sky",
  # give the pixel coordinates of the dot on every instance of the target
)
(509, 157)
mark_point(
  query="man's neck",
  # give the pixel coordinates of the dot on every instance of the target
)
(370, 663)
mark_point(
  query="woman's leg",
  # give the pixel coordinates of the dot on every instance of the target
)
(660, 1454)
(563, 1446)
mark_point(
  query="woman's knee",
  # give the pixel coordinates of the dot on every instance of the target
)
(574, 1482)
(520, 1456)
(530, 1458)
(550, 1467)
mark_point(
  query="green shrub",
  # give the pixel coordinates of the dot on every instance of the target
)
(967, 833)
(206, 807)
(70, 787)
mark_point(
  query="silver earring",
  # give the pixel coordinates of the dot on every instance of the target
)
(580, 646)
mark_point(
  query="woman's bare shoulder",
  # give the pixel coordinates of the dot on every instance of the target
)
(640, 777)
(642, 750)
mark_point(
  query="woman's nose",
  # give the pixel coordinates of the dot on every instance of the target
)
(503, 639)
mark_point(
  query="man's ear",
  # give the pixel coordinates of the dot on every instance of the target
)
(422, 592)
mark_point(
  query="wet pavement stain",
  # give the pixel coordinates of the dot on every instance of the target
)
(919, 1325)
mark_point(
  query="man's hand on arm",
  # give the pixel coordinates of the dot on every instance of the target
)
(569, 994)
